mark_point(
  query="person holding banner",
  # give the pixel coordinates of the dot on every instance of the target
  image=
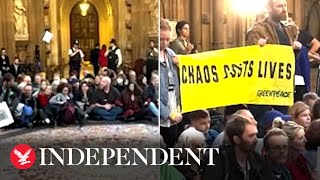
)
(170, 114)
(272, 31)
(181, 45)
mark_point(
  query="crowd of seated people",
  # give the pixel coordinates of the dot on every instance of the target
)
(108, 96)
(287, 151)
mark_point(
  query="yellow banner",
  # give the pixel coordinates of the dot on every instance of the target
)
(245, 75)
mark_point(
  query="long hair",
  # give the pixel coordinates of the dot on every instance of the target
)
(62, 86)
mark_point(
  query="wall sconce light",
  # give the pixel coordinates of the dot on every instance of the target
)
(84, 6)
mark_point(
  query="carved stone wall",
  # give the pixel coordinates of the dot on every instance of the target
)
(214, 25)
(128, 21)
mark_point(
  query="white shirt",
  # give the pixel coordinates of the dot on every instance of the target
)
(15, 67)
(81, 53)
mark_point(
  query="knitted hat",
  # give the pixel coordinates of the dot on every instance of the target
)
(271, 115)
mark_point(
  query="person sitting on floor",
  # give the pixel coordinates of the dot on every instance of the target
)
(30, 102)
(57, 102)
(43, 102)
(82, 100)
(106, 100)
(10, 94)
(132, 103)
(151, 95)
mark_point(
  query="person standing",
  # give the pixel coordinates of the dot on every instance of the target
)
(15, 68)
(170, 115)
(114, 56)
(4, 62)
(272, 31)
(152, 59)
(103, 61)
(94, 58)
(76, 56)
(181, 45)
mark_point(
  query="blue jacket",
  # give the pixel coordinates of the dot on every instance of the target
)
(303, 66)
(164, 85)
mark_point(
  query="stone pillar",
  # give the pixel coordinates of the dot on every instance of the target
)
(219, 19)
(196, 24)
(53, 49)
(154, 21)
(206, 21)
(7, 28)
(299, 12)
(174, 10)
(123, 20)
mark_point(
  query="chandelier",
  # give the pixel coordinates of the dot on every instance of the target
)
(84, 6)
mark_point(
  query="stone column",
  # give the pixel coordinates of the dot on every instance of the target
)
(219, 19)
(54, 50)
(299, 12)
(154, 21)
(196, 23)
(206, 21)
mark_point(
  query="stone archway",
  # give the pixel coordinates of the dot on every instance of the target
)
(85, 29)
(106, 23)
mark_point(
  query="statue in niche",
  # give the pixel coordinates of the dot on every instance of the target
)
(128, 2)
(20, 15)
(46, 3)
(154, 13)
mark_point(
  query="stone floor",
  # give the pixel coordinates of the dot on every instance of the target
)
(95, 134)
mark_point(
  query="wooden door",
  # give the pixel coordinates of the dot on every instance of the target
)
(84, 28)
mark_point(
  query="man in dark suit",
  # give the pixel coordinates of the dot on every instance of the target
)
(4, 62)
(94, 58)
(15, 68)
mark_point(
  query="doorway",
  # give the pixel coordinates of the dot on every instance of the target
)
(85, 29)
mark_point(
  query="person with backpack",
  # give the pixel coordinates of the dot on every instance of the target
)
(239, 161)
(114, 56)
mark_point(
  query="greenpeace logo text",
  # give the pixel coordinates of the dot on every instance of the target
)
(125, 156)
(273, 93)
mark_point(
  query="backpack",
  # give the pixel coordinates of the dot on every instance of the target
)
(68, 114)
(113, 58)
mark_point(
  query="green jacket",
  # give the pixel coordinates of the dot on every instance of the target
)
(170, 173)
